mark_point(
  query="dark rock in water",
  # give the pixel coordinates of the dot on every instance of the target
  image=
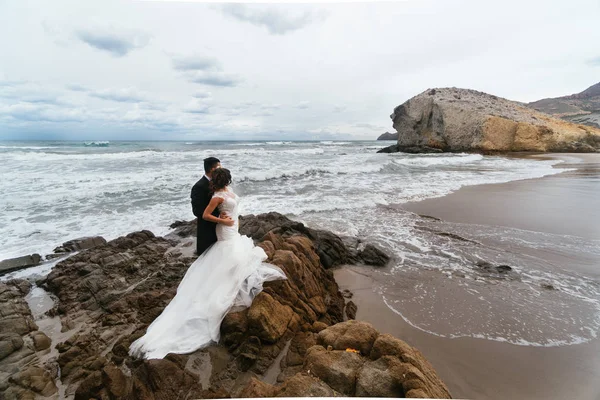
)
(12, 264)
(548, 286)
(395, 148)
(496, 270)
(80, 244)
(351, 309)
(503, 268)
(184, 228)
(371, 255)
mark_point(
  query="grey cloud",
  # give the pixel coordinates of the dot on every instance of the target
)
(339, 109)
(197, 106)
(214, 79)
(202, 95)
(41, 113)
(277, 21)
(195, 63)
(303, 105)
(77, 88)
(127, 95)
(116, 43)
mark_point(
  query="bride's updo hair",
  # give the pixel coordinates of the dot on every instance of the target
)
(221, 178)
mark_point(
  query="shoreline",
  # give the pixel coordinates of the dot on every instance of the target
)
(479, 368)
(486, 204)
(489, 369)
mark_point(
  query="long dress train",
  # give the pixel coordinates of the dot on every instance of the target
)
(230, 273)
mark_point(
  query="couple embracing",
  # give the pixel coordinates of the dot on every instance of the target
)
(229, 272)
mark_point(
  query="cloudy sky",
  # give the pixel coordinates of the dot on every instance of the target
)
(189, 70)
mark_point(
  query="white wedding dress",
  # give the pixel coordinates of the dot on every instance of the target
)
(230, 273)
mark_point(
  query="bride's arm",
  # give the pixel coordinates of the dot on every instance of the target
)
(214, 202)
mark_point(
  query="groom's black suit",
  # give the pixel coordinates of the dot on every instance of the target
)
(206, 234)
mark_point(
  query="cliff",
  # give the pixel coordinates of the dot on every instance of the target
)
(388, 136)
(297, 339)
(582, 108)
(451, 119)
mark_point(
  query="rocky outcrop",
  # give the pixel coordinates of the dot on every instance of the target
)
(581, 108)
(354, 359)
(80, 244)
(452, 119)
(388, 136)
(332, 250)
(106, 297)
(19, 262)
(21, 346)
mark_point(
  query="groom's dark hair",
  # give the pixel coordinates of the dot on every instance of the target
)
(209, 163)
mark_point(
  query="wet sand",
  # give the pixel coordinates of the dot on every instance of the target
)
(565, 204)
(484, 369)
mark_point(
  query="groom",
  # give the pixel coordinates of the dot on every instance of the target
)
(201, 196)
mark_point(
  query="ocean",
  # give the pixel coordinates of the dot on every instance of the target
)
(52, 192)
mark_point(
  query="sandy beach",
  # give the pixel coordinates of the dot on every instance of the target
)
(563, 204)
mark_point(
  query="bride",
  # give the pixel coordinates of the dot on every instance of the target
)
(230, 273)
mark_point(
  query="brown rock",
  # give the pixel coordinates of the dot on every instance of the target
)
(336, 368)
(351, 309)
(267, 318)
(376, 379)
(453, 119)
(40, 341)
(351, 334)
(415, 372)
(9, 343)
(304, 385)
(35, 379)
(257, 388)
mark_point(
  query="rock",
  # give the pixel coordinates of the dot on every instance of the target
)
(377, 379)
(351, 334)
(371, 255)
(395, 148)
(548, 286)
(15, 316)
(184, 228)
(9, 343)
(20, 262)
(496, 271)
(304, 385)
(106, 297)
(388, 136)
(40, 341)
(337, 368)
(80, 244)
(257, 388)
(452, 119)
(331, 249)
(267, 318)
(351, 309)
(414, 371)
(35, 379)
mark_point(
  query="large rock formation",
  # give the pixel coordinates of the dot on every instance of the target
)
(388, 136)
(452, 119)
(106, 296)
(582, 108)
